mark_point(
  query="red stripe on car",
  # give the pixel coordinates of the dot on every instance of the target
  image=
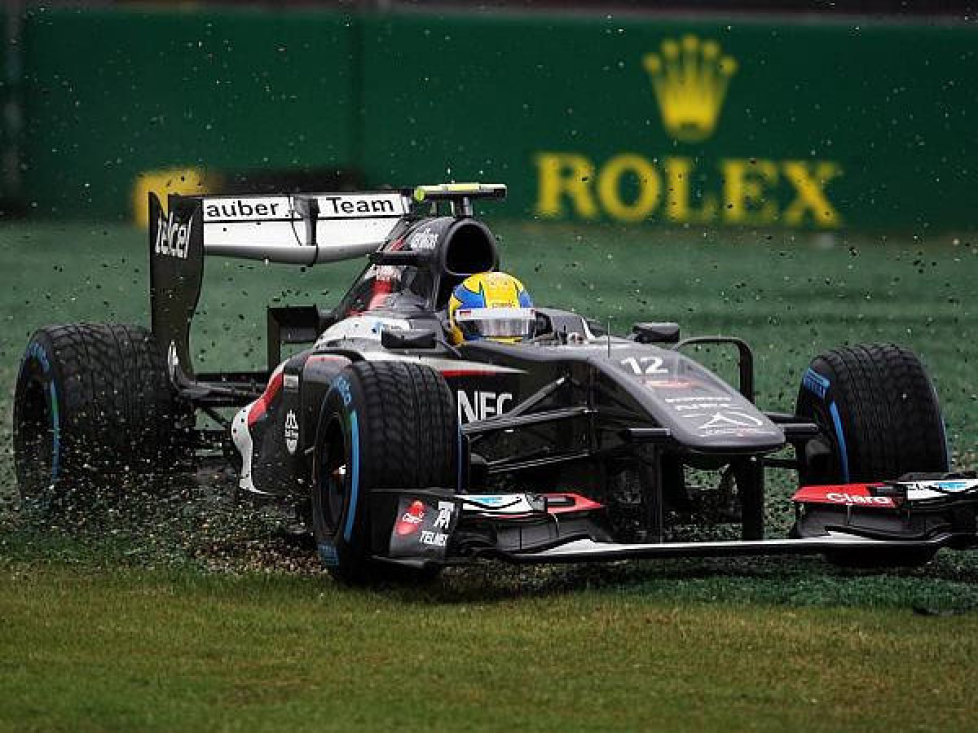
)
(260, 406)
(845, 494)
(449, 373)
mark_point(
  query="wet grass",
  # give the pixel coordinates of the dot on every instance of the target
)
(188, 611)
(124, 649)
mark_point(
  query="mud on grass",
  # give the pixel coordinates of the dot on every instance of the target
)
(193, 521)
(197, 526)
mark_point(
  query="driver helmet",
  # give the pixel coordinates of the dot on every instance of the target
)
(490, 305)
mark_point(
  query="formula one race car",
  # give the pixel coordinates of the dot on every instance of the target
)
(411, 449)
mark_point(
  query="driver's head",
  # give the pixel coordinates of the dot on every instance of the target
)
(490, 305)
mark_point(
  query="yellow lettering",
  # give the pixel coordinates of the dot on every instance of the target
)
(745, 187)
(564, 174)
(649, 187)
(810, 192)
(186, 181)
(678, 204)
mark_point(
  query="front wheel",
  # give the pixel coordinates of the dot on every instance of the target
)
(878, 416)
(878, 419)
(382, 425)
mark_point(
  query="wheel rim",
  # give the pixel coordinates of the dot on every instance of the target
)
(34, 438)
(821, 454)
(333, 475)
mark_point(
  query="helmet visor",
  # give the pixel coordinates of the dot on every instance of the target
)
(496, 323)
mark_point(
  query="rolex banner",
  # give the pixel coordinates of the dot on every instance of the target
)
(813, 123)
(809, 124)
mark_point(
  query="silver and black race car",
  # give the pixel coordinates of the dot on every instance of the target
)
(409, 452)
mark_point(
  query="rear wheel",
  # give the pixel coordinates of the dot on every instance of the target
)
(382, 425)
(92, 402)
(879, 418)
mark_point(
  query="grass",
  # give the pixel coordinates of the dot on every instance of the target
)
(133, 650)
(125, 627)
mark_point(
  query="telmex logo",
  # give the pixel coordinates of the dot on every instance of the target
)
(689, 79)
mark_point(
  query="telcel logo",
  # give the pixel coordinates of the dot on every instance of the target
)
(173, 237)
(481, 405)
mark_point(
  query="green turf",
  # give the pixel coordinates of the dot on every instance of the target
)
(131, 650)
(126, 629)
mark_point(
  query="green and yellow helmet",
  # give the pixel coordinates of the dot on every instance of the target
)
(490, 305)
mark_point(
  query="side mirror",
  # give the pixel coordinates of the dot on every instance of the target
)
(410, 338)
(656, 333)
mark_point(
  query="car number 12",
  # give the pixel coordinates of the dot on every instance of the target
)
(645, 365)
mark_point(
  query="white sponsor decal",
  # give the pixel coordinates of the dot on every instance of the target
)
(291, 381)
(698, 398)
(386, 324)
(173, 238)
(949, 485)
(445, 511)
(291, 432)
(727, 422)
(247, 208)
(842, 498)
(669, 383)
(361, 205)
(423, 241)
(364, 327)
(496, 503)
(481, 405)
(731, 420)
(645, 365)
(435, 539)
(413, 519)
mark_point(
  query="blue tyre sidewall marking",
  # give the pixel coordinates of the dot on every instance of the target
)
(819, 385)
(843, 454)
(327, 553)
(55, 432)
(36, 350)
(351, 512)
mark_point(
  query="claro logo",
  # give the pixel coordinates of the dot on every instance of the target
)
(173, 237)
(481, 405)
(839, 497)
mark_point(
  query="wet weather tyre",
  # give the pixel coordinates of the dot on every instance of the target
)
(879, 418)
(382, 425)
(93, 407)
(878, 414)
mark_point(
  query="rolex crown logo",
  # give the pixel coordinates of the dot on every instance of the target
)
(690, 79)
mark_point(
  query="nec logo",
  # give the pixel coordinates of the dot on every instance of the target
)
(172, 237)
(481, 405)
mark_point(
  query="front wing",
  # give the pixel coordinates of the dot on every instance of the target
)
(437, 526)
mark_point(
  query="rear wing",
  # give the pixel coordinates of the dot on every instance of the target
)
(299, 229)
(304, 229)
